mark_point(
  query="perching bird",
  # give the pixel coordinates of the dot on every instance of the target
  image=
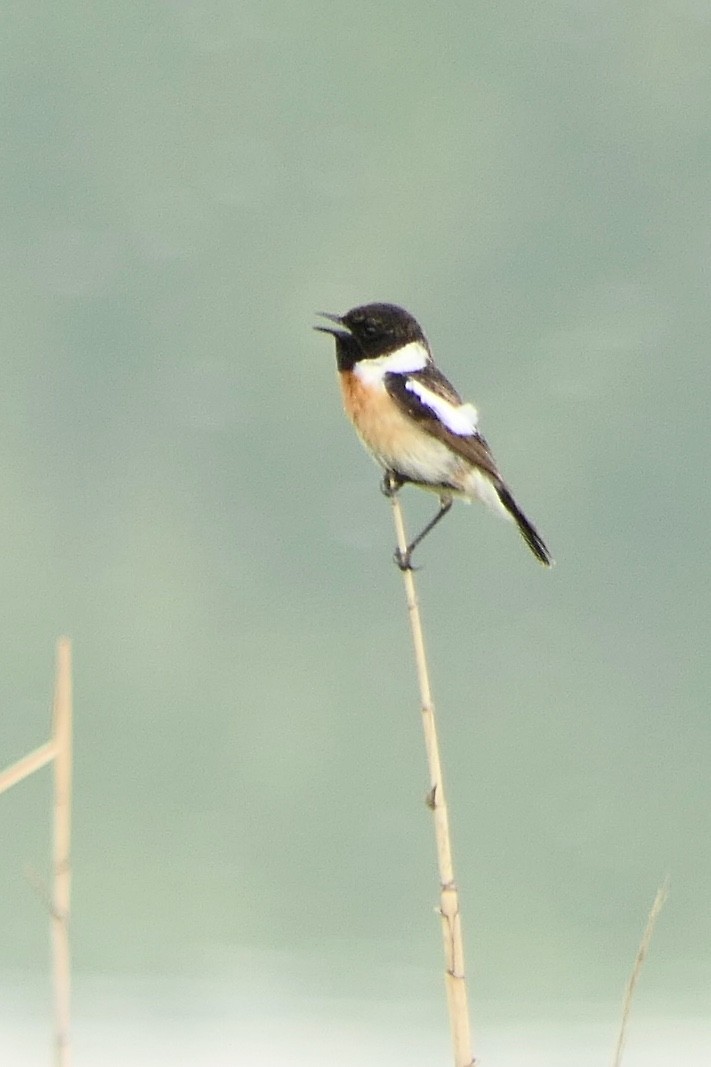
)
(413, 421)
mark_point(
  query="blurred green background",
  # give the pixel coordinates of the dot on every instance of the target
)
(183, 186)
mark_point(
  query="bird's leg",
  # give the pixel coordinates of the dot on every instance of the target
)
(403, 559)
(391, 484)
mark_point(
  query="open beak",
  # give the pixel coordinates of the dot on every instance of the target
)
(329, 329)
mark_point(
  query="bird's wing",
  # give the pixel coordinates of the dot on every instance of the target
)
(432, 401)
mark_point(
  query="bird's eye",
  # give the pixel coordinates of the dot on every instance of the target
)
(370, 327)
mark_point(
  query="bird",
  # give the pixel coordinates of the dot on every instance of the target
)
(413, 421)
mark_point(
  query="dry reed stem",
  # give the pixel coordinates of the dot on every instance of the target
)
(62, 735)
(659, 901)
(58, 750)
(455, 980)
(27, 765)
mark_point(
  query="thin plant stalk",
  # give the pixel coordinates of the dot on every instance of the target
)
(659, 902)
(58, 751)
(30, 763)
(455, 980)
(61, 859)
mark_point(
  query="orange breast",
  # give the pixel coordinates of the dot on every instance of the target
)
(382, 426)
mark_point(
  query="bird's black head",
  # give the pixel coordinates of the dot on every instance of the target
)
(381, 328)
(372, 330)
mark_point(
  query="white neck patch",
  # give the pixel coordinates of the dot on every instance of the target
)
(411, 357)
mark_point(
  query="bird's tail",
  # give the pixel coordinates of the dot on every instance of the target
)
(528, 531)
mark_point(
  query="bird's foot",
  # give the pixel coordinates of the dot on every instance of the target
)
(404, 559)
(390, 484)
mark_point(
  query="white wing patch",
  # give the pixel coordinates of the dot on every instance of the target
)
(403, 360)
(461, 419)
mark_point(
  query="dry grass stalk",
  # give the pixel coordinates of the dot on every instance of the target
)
(62, 739)
(449, 900)
(59, 751)
(27, 765)
(659, 901)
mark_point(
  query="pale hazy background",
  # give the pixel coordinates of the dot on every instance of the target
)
(183, 186)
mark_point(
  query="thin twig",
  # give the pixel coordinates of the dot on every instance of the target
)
(455, 980)
(659, 901)
(61, 864)
(27, 765)
(59, 751)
